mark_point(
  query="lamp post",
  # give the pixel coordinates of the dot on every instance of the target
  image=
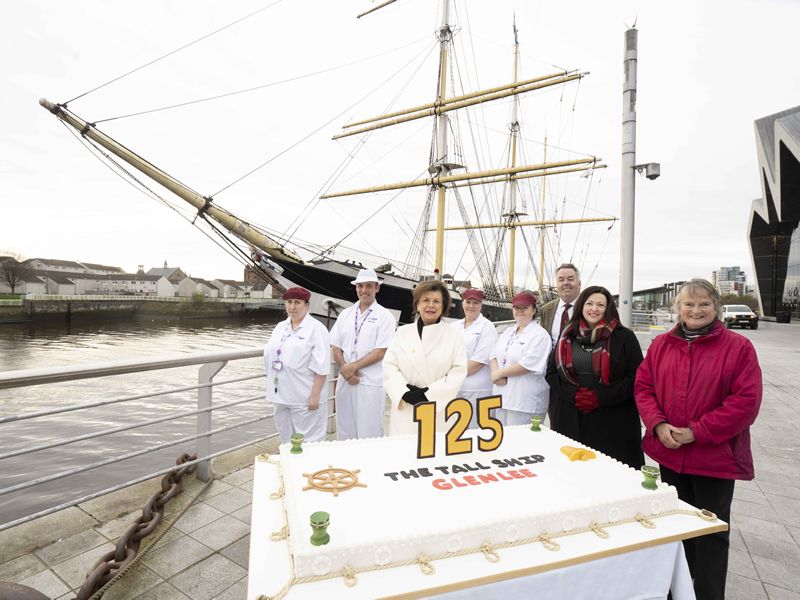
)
(629, 169)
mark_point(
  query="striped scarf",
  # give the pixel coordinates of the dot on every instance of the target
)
(692, 334)
(601, 357)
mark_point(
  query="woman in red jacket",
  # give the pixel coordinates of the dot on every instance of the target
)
(698, 391)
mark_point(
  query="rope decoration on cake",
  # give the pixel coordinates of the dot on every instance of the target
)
(425, 565)
(595, 527)
(548, 542)
(281, 534)
(489, 552)
(265, 457)
(278, 494)
(349, 575)
(645, 522)
(425, 562)
(333, 480)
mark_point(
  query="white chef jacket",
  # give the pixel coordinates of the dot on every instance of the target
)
(357, 334)
(479, 340)
(528, 392)
(305, 353)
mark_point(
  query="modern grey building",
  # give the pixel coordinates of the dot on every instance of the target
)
(773, 229)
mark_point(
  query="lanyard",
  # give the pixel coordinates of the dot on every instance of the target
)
(357, 327)
(277, 364)
(285, 337)
(511, 338)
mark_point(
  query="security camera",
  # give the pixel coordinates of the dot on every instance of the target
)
(652, 170)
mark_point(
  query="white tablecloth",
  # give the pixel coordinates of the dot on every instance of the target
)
(640, 575)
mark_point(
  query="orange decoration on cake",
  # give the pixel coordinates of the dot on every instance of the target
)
(574, 453)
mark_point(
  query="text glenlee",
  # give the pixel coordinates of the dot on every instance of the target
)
(476, 476)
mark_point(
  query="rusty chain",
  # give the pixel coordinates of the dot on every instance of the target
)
(116, 561)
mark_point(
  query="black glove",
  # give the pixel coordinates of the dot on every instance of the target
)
(415, 395)
(414, 388)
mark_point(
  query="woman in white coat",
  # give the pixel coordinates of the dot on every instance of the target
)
(297, 360)
(480, 336)
(426, 361)
(518, 365)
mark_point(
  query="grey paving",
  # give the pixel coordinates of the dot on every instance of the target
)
(209, 578)
(204, 555)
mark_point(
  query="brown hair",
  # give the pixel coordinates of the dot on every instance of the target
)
(432, 286)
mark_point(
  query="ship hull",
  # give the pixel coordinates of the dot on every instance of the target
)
(333, 279)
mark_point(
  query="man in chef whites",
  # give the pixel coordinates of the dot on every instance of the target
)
(359, 339)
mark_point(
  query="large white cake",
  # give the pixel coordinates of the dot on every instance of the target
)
(424, 510)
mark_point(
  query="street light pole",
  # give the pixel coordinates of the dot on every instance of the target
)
(628, 177)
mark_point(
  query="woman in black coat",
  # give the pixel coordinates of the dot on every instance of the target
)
(591, 372)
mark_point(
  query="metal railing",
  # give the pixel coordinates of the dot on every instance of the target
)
(210, 365)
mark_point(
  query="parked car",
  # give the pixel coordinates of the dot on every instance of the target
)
(739, 314)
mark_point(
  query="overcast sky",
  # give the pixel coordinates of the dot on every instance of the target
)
(707, 70)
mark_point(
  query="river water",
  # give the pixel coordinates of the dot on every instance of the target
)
(29, 346)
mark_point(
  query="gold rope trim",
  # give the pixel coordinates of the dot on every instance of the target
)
(548, 542)
(425, 565)
(278, 494)
(645, 522)
(349, 575)
(595, 527)
(281, 534)
(489, 552)
(545, 538)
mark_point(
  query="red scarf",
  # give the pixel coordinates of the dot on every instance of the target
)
(601, 357)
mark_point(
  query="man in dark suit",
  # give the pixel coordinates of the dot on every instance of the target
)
(554, 314)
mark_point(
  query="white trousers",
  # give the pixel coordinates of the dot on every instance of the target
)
(516, 417)
(291, 419)
(359, 410)
(473, 399)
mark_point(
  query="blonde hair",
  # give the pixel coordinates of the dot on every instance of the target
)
(699, 287)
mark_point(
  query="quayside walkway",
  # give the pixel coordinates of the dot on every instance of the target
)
(205, 554)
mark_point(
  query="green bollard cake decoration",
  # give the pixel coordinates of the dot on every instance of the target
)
(319, 524)
(297, 443)
(535, 423)
(650, 475)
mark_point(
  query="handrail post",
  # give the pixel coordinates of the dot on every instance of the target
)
(205, 375)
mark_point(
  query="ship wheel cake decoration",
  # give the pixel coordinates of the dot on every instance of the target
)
(333, 480)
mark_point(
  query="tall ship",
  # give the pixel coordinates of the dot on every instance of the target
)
(482, 221)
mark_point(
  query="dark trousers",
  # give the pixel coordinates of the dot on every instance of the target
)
(707, 555)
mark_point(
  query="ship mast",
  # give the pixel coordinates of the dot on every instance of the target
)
(441, 169)
(512, 215)
(440, 165)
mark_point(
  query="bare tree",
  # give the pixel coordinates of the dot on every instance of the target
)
(12, 271)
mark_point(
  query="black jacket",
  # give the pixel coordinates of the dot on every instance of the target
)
(613, 428)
